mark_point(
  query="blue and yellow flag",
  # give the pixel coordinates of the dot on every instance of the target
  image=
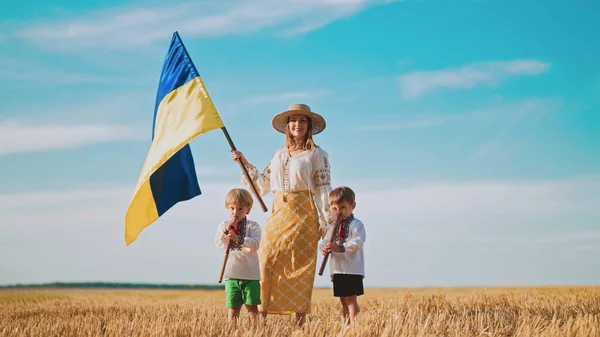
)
(183, 111)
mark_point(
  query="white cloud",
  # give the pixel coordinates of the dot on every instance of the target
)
(480, 200)
(274, 100)
(278, 97)
(404, 126)
(11, 201)
(215, 170)
(578, 237)
(92, 195)
(516, 119)
(24, 71)
(504, 115)
(441, 232)
(95, 107)
(419, 83)
(285, 97)
(132, 27)
(590, 248)
(17, 137)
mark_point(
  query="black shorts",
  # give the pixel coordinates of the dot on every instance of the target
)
(345, 285)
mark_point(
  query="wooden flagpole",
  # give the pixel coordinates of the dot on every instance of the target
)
(254, 190)
(262, 204)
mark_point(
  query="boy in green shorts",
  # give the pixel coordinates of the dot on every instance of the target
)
(242, 272)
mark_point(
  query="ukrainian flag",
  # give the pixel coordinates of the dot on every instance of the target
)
(183, 111)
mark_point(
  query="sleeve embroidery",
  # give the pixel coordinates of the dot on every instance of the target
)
(261, 181)
(322, 175)
(267, 171)
(355, 239)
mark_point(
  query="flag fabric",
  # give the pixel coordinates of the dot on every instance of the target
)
(183, 111)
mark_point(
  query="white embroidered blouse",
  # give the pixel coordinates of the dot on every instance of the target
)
(352, 260)
(302, 171)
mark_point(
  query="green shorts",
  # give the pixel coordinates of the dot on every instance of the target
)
(240, 292)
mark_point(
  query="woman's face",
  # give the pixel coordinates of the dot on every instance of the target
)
(298, 125)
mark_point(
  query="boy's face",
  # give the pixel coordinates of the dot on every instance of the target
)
(344, 208)
(237, 211)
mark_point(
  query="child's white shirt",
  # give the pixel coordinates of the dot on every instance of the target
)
(352, 261)
(242, 262)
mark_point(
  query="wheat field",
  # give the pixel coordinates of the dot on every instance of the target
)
(566, 311)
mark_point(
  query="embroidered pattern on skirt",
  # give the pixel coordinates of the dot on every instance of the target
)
(288, 254)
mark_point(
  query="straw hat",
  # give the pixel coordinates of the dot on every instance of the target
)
(280, 120)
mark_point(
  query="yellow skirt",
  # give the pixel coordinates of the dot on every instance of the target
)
(288, 254)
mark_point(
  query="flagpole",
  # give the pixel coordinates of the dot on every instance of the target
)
(262, 204)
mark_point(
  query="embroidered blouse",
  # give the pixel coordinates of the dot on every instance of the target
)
(352, 259)
(243, 258)
(303, 171)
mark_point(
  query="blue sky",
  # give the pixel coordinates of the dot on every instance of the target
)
(467, 128)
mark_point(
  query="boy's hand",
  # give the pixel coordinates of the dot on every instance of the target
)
(336, 248)
(326, 249)
(232, 236)
(231, 225)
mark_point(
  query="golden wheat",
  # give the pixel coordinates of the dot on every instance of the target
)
(540, 312)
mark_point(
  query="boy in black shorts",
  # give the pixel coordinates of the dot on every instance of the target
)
(347, 267)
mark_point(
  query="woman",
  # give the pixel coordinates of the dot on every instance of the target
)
(299, 176)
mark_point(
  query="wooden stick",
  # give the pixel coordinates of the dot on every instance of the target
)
(228, 248)
(336, 230)
(256, 194)
(224, 262)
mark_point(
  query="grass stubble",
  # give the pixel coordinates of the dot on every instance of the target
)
(493, 312)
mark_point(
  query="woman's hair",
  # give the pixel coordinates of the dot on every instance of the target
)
(309, 143)
(239, 197)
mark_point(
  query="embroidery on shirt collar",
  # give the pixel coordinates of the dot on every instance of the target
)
(241, 233)
(344, 229)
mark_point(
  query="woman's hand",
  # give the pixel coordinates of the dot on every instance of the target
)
(238, 155)
(323, 232)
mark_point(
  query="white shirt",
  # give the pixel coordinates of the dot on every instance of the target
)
(303, 171)
(352, 261)
(242, 262)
